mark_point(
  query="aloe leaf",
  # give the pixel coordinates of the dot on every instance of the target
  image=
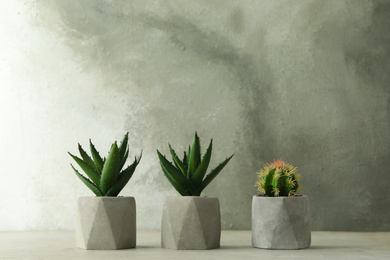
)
(185, 160)
(188, 157)
(123, 146)
(124, 178)
(178, 162)
(124, 159)
(204, 164)
(111, 169)
(87, 158)
(89, 171)
(212, 175)
(178, 186)
(175, 164)
(194, 159)
(174, 175)
(170, 167)
(88, 183)
(96, 157)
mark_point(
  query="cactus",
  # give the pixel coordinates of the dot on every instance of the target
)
(278, 179)
(187, 176)
(106, 177)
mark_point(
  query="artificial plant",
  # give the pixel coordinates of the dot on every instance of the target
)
(188, 176)
(278, 178)
(106, 177)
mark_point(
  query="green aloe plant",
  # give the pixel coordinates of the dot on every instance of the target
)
(106, 177)
(187, 176)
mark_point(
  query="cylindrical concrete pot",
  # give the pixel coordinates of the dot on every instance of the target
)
(106, 223)
(281, 222)
(190, 223)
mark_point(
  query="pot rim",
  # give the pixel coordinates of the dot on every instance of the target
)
(189, 197)
(281, 197)
(106, 197)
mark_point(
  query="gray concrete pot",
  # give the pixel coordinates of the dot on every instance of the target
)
(191, 223)
(281, 222)
(106, 223)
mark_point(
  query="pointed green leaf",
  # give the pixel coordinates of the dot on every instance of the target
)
(212, 175)
(174, 175)
(204, 164)
(124, 159)
(111, 169)
(123, 147)
(188, 160)
(178, 186)
(89, 171)
(124, 178)
(87, 158)
(178, 162)
(88, 183)
(170, 167)
(194, 156)
(185, 161)
(175, 164)
(96, 157)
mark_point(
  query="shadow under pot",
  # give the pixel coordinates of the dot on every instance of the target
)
(106, 223)
(190, 223)
(281, 222)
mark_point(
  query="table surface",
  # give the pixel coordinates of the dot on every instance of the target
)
(234, 245)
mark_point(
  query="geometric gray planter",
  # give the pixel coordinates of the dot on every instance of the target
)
(106, 223)
(281, 222)
(191, 223)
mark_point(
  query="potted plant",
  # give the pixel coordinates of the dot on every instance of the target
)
(280, 217)
(190, 221)
(106, 221)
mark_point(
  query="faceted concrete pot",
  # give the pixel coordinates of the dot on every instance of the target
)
(281, 222)
(191, 223)
(106, 223)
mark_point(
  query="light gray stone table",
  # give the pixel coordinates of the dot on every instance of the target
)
(234, 245)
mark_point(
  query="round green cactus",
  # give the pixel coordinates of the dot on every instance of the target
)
(278, 179)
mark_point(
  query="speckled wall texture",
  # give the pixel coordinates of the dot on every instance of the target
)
(307, 81)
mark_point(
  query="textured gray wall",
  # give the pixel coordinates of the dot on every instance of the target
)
(306, 81)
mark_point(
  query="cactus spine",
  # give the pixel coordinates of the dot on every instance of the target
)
(278, 179)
